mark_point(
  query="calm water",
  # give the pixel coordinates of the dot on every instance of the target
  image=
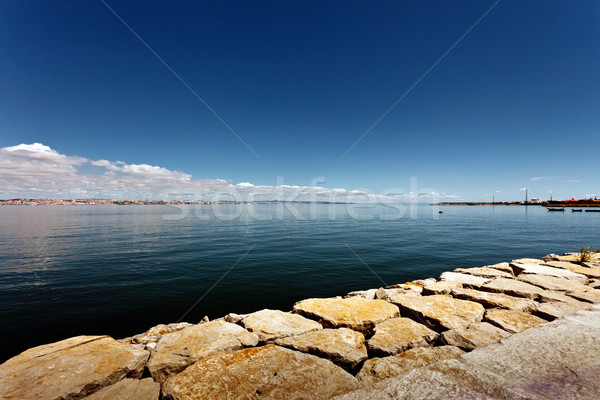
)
(119, 270)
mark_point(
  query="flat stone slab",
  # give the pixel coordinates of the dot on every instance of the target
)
(548, 270)
(478, 334)
(154, 334)
(495, 300)
(274, 324)
(591, 264)
(71, 368)
(413, 284)
(485, 272)
(590, 295)
(342, 346)
(552, 311)
(415, 287)
(440, 312)
(571, 257)
(466, 280)
(397, 335)
(503, 266)
(354, 312)
(528, 261)
(553, 283)
(441, 287)
(575, 268)
(365, 294)
(514, 287)
(512, 321)
(376, 369)
(268, 372)
(175, 351)
(129, 389)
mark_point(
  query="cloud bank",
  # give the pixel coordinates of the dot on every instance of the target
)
(37, 171)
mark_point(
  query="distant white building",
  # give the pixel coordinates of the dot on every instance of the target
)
(536, 200)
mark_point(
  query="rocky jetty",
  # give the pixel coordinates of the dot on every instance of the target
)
(526, 329)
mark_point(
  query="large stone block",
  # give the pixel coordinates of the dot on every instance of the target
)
(468, 281)
(495, 300)
(269, 372)
(342, 346)
(274, 324)
(512, 321)
(485, 272)
(376, 369)
(547, 270)
(128, 389)
(478, 334)
(553, 283)
(175, 351)
(397, 335)
(69, 369)
(513, 287)
(440, 312)
(354, 312)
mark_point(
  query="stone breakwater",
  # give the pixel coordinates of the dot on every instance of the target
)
(528, 329)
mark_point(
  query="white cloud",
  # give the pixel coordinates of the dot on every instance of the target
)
(539, 178)
(150, 171)
(35, 147)
(111, 166)
(37, 152)
(37, 171)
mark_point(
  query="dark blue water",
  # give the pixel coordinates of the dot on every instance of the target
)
(119, 270)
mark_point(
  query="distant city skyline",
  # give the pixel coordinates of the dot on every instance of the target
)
(464, 100)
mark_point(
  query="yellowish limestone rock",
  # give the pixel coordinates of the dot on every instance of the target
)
(589, 296)
(503, 266)
(376, 369)
(513, 287)
(495, 300)
(268, 372)
(467, 280)
(485, 272)
(552, 311)
(175, 351)
(274, 324)
(478, 334)
(510, 320)
(69, 369)
(397, 335)
(537, 269)
(355, 313)
(342, 346)
(128, 389)
(576, 268)
(553, 283)
(440, 312)
(442, 287)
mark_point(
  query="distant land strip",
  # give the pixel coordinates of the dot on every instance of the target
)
(67, 202)
(555, 203)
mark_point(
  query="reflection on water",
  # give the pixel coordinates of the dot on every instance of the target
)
(75, 270)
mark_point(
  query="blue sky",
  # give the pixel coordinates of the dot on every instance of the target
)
(515, 103)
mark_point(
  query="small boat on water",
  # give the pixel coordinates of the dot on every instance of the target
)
(574, 210)
(592, 210)
(557, 209)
